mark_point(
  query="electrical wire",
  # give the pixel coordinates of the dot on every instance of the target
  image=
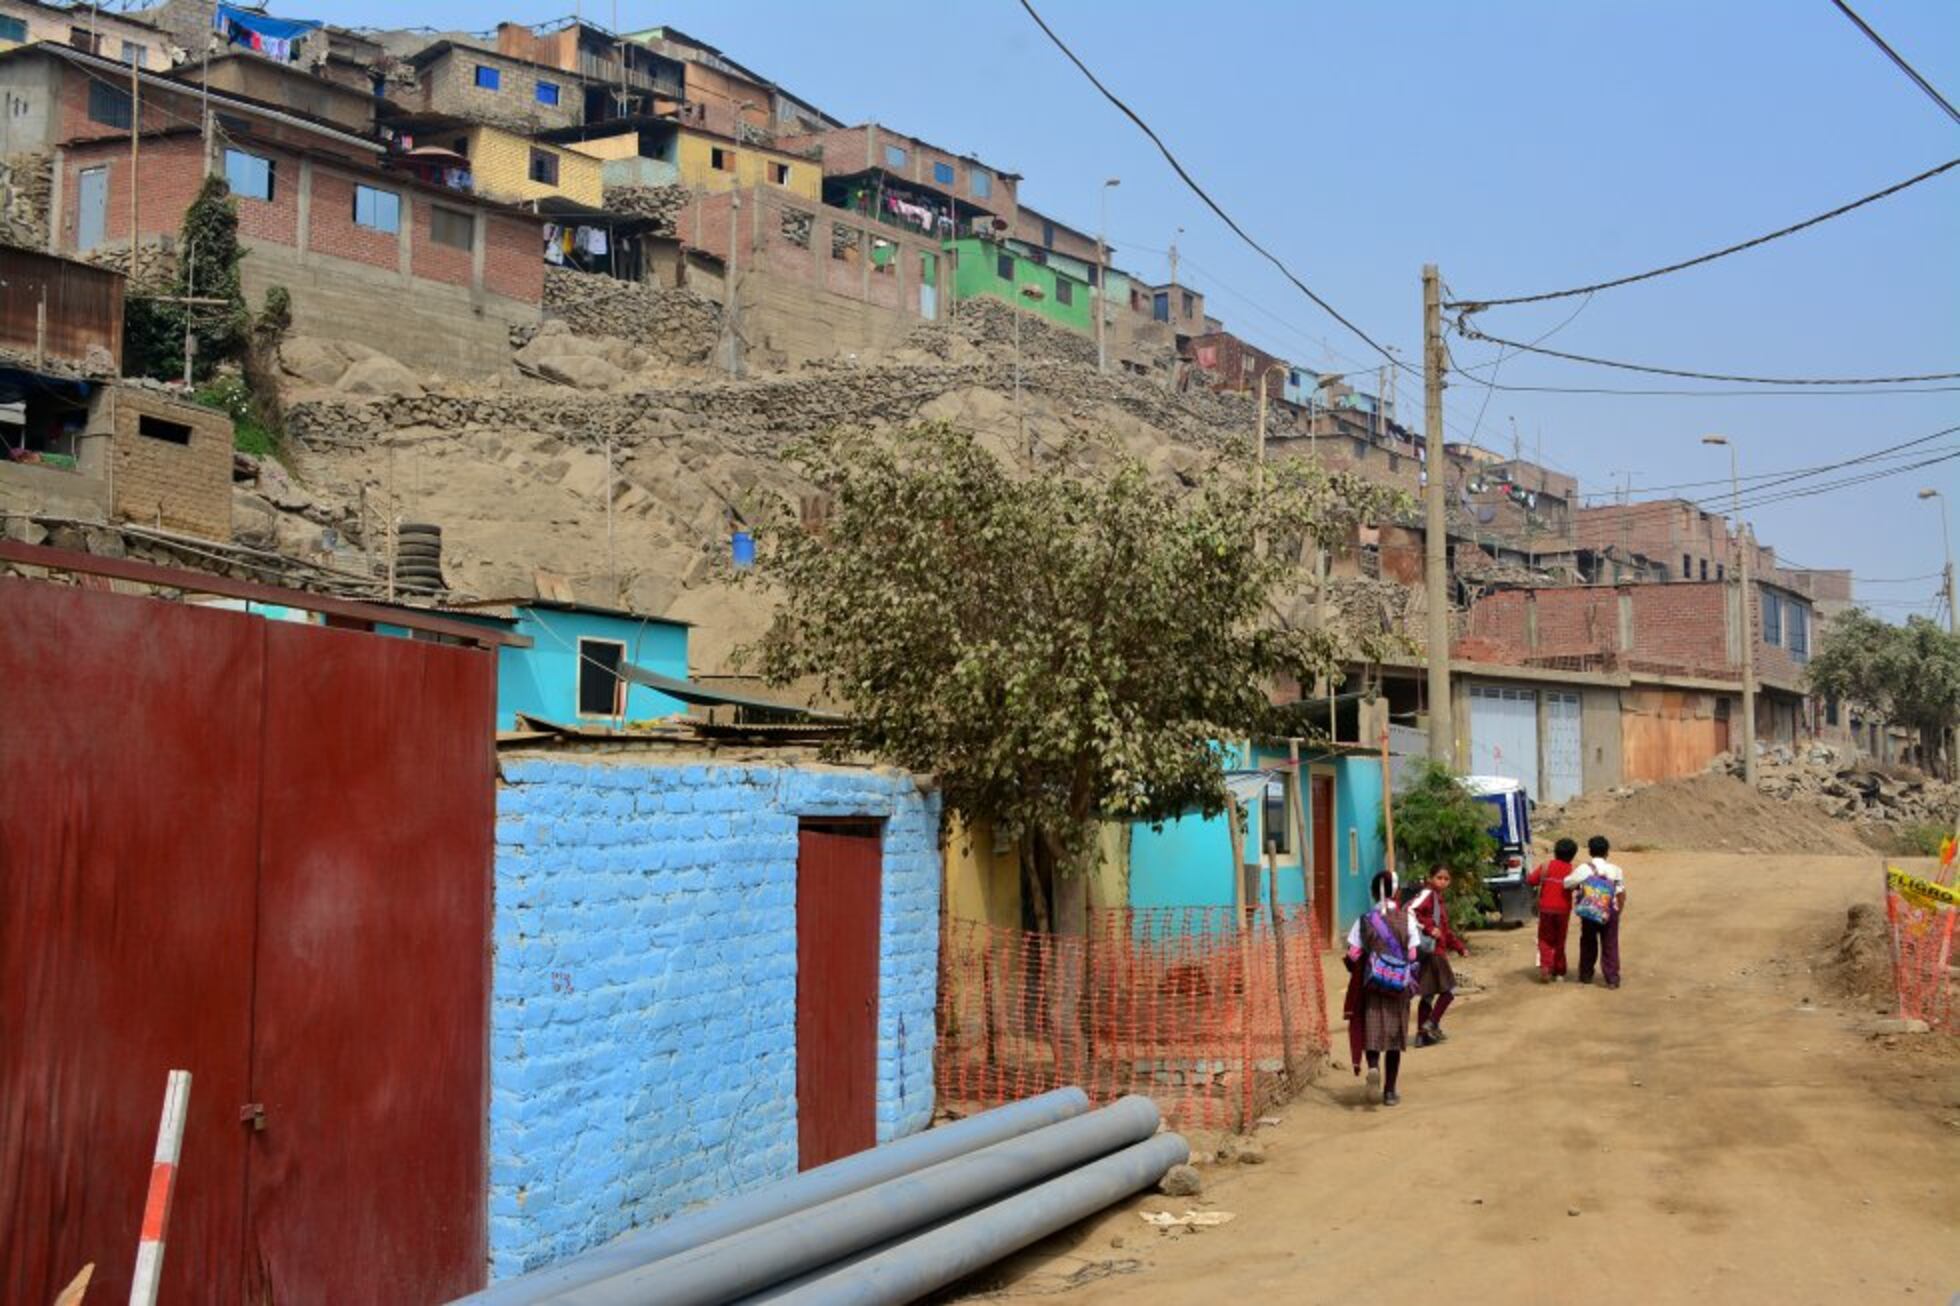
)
(1477, 305)
(1898, 59)
(1746, 480)
(1472, 333)
(1201, 193)
(1709, 394)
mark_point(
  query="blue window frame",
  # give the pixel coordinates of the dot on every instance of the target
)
(943, 173)
(1798, 619)
(248, 175)
(489, 78)
(379, 209)
(895, 156)
(547, 92)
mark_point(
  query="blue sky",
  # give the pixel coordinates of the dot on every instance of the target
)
(1522, 146)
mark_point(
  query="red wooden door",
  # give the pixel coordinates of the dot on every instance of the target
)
(1323, 857)
(129, 760)
(836, 991)
(367, 1182)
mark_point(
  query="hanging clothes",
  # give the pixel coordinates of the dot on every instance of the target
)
(275, 38)
(595, 241)
(553, 253)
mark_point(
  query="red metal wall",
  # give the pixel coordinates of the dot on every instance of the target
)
(261, 852)
(836, 992)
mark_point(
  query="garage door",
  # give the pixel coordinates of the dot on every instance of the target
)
(1504, 734)
(1564, 753)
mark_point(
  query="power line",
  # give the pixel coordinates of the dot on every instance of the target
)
(1200, 192)
(1896, 58)
(1746, 480)
(1472, 333)
(1708, 394)
(1477, 305)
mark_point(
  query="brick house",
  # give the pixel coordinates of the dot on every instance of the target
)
(318, 211)
(903, 181)
(84, 27)
(465, 81)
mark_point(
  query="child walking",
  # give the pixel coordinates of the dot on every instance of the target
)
(1381, 975)
(1436, 983)
(1554, 910)
(1600, 902)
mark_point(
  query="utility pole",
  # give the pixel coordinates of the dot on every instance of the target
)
(612, 552)
(1952, 740)
(1746, 545)
(1101, 296)
(135, 137)
(1442, 737)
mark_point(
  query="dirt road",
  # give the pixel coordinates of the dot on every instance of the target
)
(1701, 1135)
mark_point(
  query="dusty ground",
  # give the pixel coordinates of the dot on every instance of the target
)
(1724, 1128)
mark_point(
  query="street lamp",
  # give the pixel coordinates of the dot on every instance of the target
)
(1034, 295)
(1745, 547)
(1946, 574)
(1101, 298)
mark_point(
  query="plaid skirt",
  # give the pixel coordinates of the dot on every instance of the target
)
(1435, 976)
(1384, 1020)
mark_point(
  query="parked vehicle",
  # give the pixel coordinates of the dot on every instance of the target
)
(1511, 828)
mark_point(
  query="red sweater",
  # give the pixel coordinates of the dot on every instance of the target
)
(1550, 879)
(1433, 919)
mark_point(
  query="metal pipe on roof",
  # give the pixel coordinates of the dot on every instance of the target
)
(825, 1183)
(908, 1270)
(755, 1259)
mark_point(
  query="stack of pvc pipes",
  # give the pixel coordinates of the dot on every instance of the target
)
(888, 1225)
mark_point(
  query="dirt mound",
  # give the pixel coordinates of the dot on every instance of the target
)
(1859, 964)
(1702, 813)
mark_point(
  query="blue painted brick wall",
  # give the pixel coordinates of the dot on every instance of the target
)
(643, 1010)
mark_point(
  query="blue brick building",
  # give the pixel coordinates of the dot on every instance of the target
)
(645, 1000)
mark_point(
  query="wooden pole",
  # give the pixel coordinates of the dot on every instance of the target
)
(1442, 735)
(1279, 959)
(1232, 818)
(1388, 804)
(135, 139)
(1300, 804)
(163, 1183)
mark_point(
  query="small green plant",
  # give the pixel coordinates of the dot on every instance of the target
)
(250, 432)
(1439, 823)
(1919, 840)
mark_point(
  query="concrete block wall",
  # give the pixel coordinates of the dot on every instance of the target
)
(448, 85)
(643, 1014)
(157, 482)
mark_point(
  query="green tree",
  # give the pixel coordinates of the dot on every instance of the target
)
(1903, 675)
(1056, 647)
(207, 268)
(1439, 823)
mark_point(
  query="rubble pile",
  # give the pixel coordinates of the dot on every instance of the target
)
(26, 188)
(989, 324)
(1844, 786)
(658, 202)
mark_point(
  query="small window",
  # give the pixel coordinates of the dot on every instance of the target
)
(547, 92)
(600, 690)
(1160, 306)
(1004, 267)
(721, 160)
(12, 29)
(1830, 711)
(488, 78)
(1799, 623)
(156, 428)
(1704, 569)
(1687, 567)
(779, 173)
(1772, 619)
(248, 175)
(1721, 572)
(233, 125)
(980, 182)
(379, 209)
(1064, 291)
(1190, 305)
(108, 105)
(461, 145)
(83, 39)
(1273, 824)
(544, 167)
(943, 173)
(1095, 275)
(452, 227)
(133, 53)
(1048, 234)
(896, 156)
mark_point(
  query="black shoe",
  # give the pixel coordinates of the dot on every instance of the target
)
(1436, 1034)
(1612, 984)
(1391, 1098)
(1426, 1039)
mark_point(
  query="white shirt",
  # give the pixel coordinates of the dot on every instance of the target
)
(1598, 866)
(1415, 935)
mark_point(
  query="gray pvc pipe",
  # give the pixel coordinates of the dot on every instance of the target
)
(756, 1258)
(825, 1183)
(907, 1270)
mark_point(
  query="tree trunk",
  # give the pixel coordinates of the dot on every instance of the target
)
(1067, 956)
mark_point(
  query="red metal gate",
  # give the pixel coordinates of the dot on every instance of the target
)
(261, 852)
(837, 873)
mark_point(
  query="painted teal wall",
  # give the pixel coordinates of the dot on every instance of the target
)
(542, 680)
(1357, 807)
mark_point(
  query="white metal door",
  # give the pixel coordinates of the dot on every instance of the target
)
(1504, 734)
(1564, 748)
(92, 209)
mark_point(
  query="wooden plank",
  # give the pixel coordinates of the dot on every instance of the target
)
(199, 582)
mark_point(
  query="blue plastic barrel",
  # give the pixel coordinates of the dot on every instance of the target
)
(744, 549)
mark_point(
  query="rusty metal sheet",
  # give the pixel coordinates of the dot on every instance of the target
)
(83, 307)
(367, 1182)
(129, 758)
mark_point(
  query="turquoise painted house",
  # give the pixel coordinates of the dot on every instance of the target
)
(570, 674)
(1187, 862)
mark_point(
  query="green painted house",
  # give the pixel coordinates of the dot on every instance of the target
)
(985, 268)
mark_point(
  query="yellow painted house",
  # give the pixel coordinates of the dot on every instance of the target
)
(506, 166)
(669, 154)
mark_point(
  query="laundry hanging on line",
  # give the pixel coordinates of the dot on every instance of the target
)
(262, 33)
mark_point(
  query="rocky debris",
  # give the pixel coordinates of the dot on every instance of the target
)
(678, 326)
(1842, 785)
(658, 202)
(989, 323)
(26, 187)
(156, 264)
(378, 374)
(1704, 813)
(319, 361)
(1181, 1181)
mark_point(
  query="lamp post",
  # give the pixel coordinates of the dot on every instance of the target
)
(1101, 298)
(1952, 615)
(1034, 295)
(1745, 546)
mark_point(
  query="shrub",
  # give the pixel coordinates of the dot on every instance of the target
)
(1439, 823)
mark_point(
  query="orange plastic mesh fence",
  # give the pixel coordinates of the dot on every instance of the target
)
(1214, 1023)
(1922, 952)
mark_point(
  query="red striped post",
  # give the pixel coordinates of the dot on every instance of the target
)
(163, 1182)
